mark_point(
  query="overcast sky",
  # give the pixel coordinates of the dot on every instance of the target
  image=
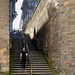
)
(16, 22)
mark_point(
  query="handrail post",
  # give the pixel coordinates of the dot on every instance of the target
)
(30, 59)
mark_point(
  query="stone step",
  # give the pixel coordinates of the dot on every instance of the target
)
(20, 73)
(18, 64)
(30, 68)
(31, 57)
(36, 53)
(35, 50)
(31, 60)
(42, 73)
(43, 60)
(39, 52)
(47, 68)
(19, 68)
(32, 64)
(19, 60)
(40, 66)
(40, 60)
(37, 57)
(27, 71)
(29, 51)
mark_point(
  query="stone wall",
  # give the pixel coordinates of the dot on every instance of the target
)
(4, 35)
(54, 26)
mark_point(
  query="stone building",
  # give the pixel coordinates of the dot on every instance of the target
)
(12, 13)
(28, 8)
(53, 25)
(7, 14)
(12, 16)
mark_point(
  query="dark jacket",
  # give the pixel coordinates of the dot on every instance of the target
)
(23, 54)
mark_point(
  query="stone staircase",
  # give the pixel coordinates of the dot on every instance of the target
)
(16, 64)
(36, 66)
(39, 64)
(16, 68)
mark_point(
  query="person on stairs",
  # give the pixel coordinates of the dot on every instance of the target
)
(23, 55)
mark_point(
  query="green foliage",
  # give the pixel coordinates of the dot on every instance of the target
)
(66, 73)
(47, 60)
(56, 72)
(6, 73)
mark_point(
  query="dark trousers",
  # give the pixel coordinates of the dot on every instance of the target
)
(23, 62)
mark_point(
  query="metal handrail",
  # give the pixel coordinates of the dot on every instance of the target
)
(30, 63)
(30, 60)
